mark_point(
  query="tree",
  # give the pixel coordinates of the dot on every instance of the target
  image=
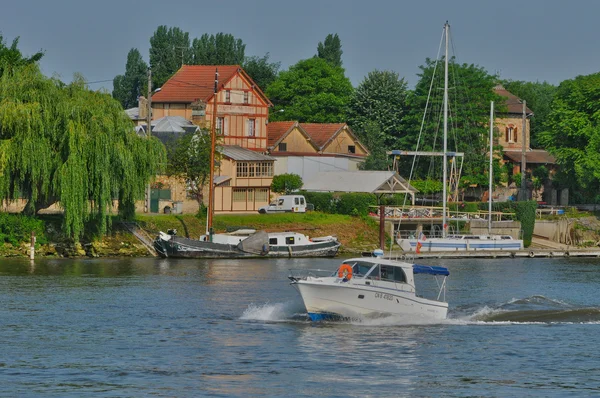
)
(68, 144)
(188, 157)
(11, 57)
(371, 137)
(261, 70)
(468, 121)
(169, 49)
(539, 97)
(286, 183)
(127, 88)
(311, 91)
(573, 135)
(331, 50)
(381, 99)
(219, 49)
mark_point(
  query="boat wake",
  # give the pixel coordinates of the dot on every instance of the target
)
(534, 309)
(275, 312)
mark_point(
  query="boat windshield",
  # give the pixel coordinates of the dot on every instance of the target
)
(360, 268)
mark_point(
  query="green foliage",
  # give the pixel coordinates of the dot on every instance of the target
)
(525, 213)
(68, 144)
(573, 135)
(219, 49)
(127, 88)
(311, 91)
(468, 130)
(188, 157)
(377, 158)
(331, 50)
(539, 97)
(15, 229)
(286, 183)
(428, 186)
(322, 201)
(11, 57)
(261, 70)
(376, 109)
(169, 49)
(355, 204)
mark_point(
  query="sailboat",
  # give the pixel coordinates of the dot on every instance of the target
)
(457, 242)
(241, 243)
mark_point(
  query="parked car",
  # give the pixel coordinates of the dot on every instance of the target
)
(285, 204)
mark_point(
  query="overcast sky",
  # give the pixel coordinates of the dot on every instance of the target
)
(533, 40)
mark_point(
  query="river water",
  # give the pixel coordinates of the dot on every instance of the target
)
(188, 328)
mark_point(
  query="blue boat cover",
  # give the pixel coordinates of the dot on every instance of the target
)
(431, 270)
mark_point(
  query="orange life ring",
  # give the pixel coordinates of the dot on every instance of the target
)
(345, 271)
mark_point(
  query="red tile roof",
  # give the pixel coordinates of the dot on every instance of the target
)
(276, 130)
(532, 156)
(513, 103)
(194, 82)
(321, 133)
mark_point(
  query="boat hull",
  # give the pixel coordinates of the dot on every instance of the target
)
(180, 247)
(460, 245)
(345, 300)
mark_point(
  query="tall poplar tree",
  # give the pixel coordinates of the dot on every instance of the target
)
(331, 50)
(219, 49)
(169, 49)
(127, 87)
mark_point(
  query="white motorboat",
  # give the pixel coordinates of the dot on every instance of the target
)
(371, 287)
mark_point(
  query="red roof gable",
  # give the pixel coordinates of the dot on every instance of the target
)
(513, 103)
(194, 82)
(321, 133)
(275, 130)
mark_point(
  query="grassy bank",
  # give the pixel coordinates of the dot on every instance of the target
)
(356, 234)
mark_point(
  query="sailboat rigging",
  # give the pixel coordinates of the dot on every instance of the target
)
(455, 242)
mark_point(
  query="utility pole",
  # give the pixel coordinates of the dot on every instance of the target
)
(524, 195)
(149, 131)
(211, 188)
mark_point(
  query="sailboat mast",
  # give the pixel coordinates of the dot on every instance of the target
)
(491, 168)
(445, 177)
(211, 185)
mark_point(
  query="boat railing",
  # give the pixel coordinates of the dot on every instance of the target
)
(299, 273)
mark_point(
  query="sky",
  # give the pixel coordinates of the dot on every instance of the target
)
(530, 40)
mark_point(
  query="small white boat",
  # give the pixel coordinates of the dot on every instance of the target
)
(369, 287)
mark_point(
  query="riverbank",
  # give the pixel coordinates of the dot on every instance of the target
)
(355, 233)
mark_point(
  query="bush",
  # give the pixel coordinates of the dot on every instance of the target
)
(322, 201)
(16, 228)
(355, 204)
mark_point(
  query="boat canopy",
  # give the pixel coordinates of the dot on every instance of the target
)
(431, 270)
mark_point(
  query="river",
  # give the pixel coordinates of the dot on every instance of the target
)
(187, 328)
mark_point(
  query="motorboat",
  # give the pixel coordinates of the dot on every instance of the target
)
(368, 287)
(245, 243)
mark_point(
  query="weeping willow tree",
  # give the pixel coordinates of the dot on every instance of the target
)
(66, 144)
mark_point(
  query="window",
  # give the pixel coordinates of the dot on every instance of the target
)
(250, 195)
(360, 268)
(296, 201)
(351, 149)
(289, 240)
(272, 241)
(262, 194)
(282, 147)
(254, 169)
(242, 169)
(250, 127)
(220, 125)
(239, 195)
(227, 95)
(511, 134)
(246, 97)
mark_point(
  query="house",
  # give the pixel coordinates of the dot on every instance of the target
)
(309, 148)
(241, 116)
(515, 140)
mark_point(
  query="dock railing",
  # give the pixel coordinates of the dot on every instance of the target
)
(419, 212)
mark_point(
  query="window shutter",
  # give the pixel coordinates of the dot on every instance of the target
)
(506, 137)
(515, 135)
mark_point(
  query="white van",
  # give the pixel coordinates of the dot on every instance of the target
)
(286, 203)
